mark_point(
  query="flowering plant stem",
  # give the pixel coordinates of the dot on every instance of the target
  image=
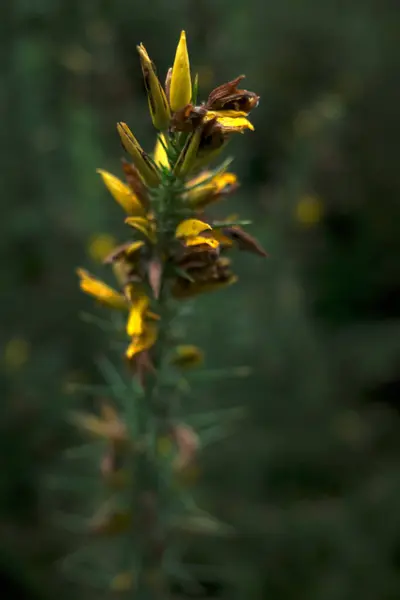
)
(177, 252)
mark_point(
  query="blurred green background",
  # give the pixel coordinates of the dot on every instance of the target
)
(310, 478)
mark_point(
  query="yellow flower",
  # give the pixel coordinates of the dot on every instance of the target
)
(189, 231)
(187, 356)
(122, 193)
(16, 353)
(160, 155)
(102, 292)
(181, 86)
(309, 210)
(135, 323)
(158, 103)
(100, 246)
(144, 226)
(141, 160)
(142, 342)
(202, 195)
(191, 228)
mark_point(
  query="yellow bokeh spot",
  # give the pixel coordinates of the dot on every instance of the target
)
(100, 245)
(164, 446)
(122, 582)
(309, 211)
(16, 353)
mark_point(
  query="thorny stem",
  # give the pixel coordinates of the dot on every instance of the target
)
(153, 482)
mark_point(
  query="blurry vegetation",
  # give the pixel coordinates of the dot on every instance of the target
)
(310, 476)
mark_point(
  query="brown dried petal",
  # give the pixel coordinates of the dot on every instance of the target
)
(229, 97)
(154, 271)
(135, 182)
(224, 90)
(244, 240)
(189, 118)
(167, 84)
(116, 253)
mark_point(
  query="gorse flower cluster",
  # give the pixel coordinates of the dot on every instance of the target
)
(176, 251)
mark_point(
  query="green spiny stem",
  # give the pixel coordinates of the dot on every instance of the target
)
(153, 479)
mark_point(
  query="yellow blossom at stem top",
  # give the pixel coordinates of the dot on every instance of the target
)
(181, 85)
(158, 103)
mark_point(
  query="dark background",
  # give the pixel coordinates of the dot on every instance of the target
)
(310, 476)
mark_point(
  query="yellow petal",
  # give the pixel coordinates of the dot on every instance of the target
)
(234, 124)
(158, 104)
(233, 114)
(135, 323)
(102, 292)
(144, 226)
(199, 240)
(134, 247)
(141, 160)
(121, 193)
(181, 86)
(142, 342)
(191, 228)
(160, 155)
(187, 356)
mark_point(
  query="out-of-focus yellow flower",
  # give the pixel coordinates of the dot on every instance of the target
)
(187, 356)
(158, 104)
(180, 92)
(164, 446)
(137, 313)
(108, 426)
(100, 291)
(16, 353)
(144, 226)
(309, 210)
(160, 155)
(140, 343)
(113, 523)
(122, 193)
(123, 582)
(100, 246)
(141, 160)
(217, 186)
